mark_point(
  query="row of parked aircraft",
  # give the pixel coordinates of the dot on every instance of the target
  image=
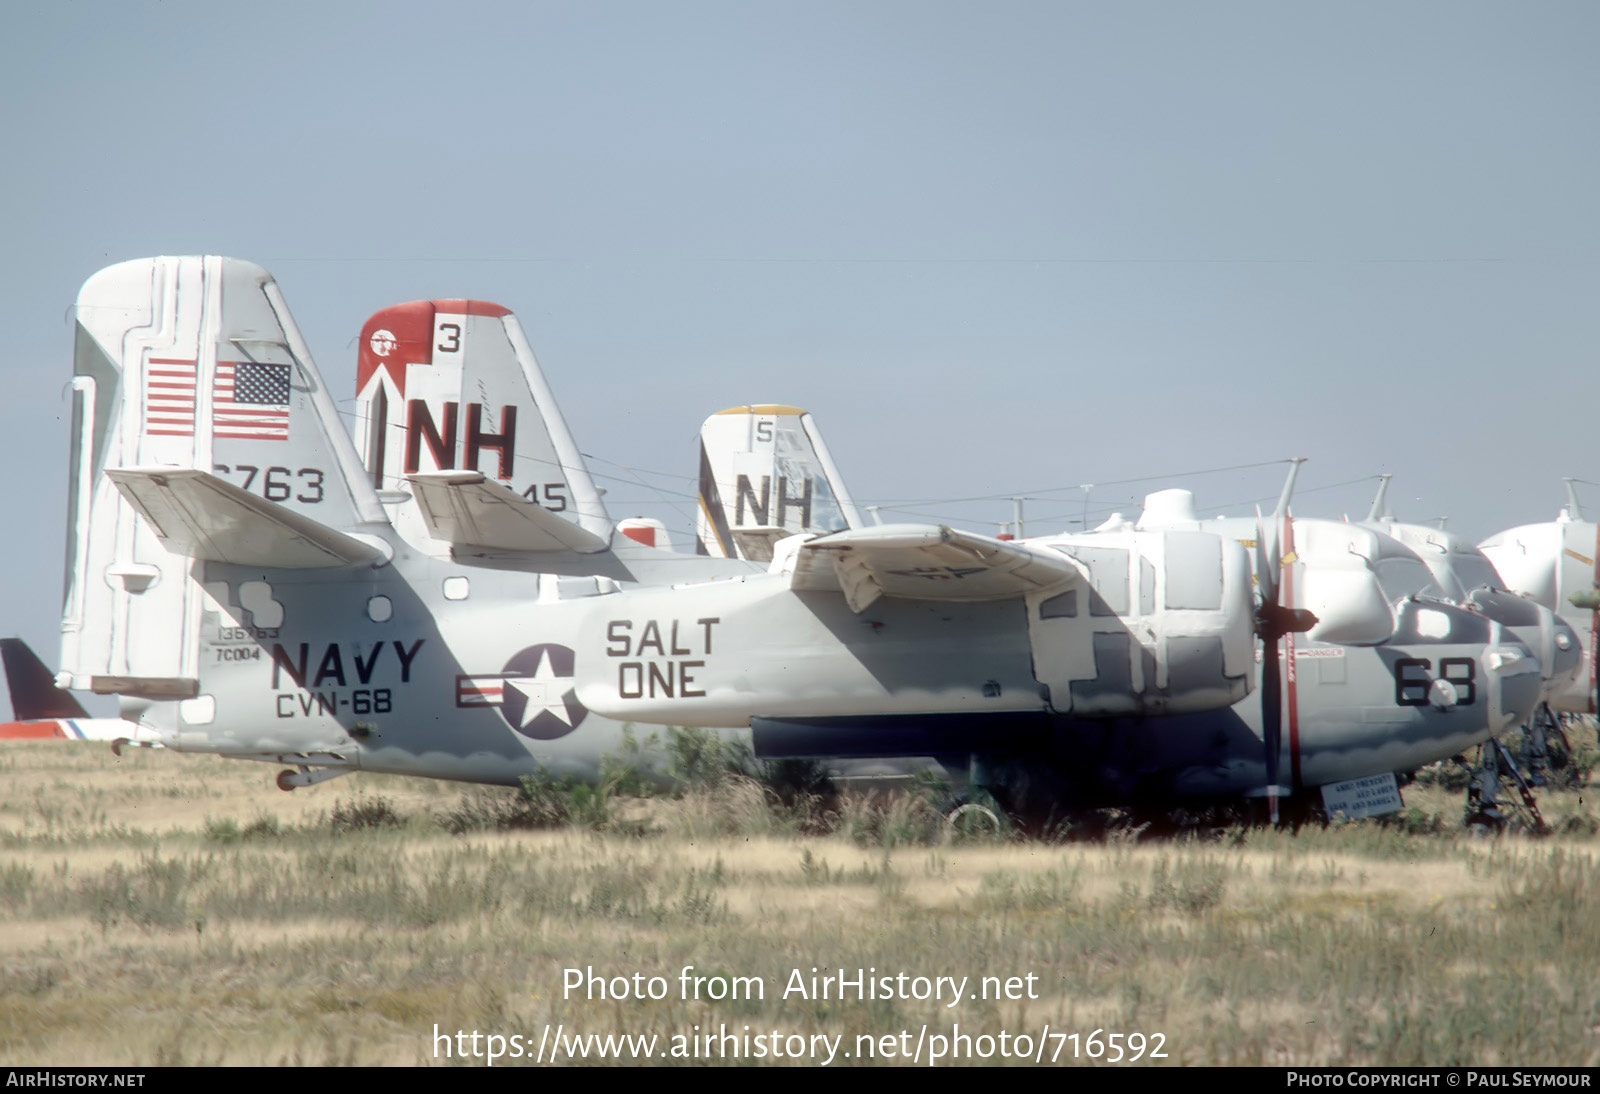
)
(444, 594)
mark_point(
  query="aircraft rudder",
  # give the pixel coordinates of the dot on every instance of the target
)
(32, 686)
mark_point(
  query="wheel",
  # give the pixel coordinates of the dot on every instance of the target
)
(974, 821)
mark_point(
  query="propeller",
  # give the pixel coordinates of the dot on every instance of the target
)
(1273, 622)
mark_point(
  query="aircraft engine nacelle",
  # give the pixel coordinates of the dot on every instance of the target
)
(1551, 564)
(1349, 604)
(1531, 560)
(1552, 639)
(1163, 624)
(1350, 577)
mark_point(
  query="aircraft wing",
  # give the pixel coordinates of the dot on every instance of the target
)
(197, 515)
(469, 510)
(925, 562)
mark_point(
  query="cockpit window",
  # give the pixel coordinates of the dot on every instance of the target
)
(1422, 624)
(1403, 577)
(1507, 608)
(1475, 572)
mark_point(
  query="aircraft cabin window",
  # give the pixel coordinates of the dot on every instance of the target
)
(456, 588)
(379, 609)
(1194, 571)
(1108, 573)
(199, 711)
(1061, 606)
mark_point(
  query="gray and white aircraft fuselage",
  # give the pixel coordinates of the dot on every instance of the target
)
(454, 601)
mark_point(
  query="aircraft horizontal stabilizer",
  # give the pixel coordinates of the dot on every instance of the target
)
(197, 515)
(932, 562)
(757, 543)
(470, 510)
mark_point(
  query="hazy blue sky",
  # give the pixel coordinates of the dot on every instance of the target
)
(993, 247)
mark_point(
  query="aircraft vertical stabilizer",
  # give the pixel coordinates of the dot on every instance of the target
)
(452, 386)
(765, 474)
(202, 430)
(34, 694)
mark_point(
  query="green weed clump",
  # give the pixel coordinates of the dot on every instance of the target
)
(1582, 823)
(1191, 886)
(702, 760)
(889, 821)
(154, 894)
(1413, 821)
(1055, 890)
(724, 790)
(815, 870)
(16, 882)
(1560, 884)
(361, 813)
(1447, 775)
(636, 892)
(541, 801)
(226, 830)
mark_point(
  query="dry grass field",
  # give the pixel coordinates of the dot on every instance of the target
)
(162, 909)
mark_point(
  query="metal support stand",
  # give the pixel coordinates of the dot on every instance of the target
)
(1487, 806)
(1535, 750)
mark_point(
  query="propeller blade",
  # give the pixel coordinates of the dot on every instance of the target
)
(1273, 621)
(1266, 561)
(1271, 719)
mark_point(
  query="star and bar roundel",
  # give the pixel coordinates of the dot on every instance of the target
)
(535, 693)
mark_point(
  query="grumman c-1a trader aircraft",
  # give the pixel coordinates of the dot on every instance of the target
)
(461, 606)
(1402, 615)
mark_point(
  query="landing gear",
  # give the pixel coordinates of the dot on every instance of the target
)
(1500, 784)
(1537, 732)
(974, 814)
(1494, 779)
(305, 776)
(1563, 760)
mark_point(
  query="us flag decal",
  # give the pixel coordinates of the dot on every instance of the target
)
(249, 401)
(169, 398)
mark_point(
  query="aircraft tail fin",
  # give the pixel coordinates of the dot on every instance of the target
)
(190, 375)
(1574, 510)
(765, 475)
(453, 386)
(34, 694)
(1381, 510)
